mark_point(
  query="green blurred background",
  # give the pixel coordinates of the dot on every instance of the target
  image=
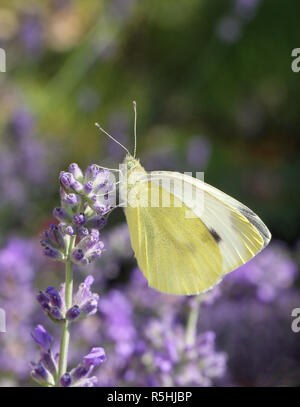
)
(212, 80)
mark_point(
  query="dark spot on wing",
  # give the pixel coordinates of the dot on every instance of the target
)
(215, 235)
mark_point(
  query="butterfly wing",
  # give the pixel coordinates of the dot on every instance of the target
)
(183, 254)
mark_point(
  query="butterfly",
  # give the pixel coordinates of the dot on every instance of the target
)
(185, 243)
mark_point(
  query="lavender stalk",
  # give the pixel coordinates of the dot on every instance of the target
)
(65, 335)
(85, 203)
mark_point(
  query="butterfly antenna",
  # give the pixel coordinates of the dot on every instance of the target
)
(111, 137)
(134, 108)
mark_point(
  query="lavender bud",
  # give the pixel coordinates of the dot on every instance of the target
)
(69, 230)
(95, 233)
(66, 180)
(76, 171)
(82, 231)
(73, 313)
(79, 220)
(88, 242)
(48, 361)
(92, 171)
(54, 296)
(61, 214)
(71, 200)
(77, 186)
(90, 307)
(53, 253)
(40, 374)
(80, 372)
(100, 208)
(88, 187)
(42, 298)
(56, 314)
(77, 255)
(57, 236)
(45, 306)
(65, 380)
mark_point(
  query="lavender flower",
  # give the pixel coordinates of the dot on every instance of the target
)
(256, 304)
(42, 337)
(22, 163)
(84, 303)
(80, 375)
(45, 371)
(84, 204)
(73, 241)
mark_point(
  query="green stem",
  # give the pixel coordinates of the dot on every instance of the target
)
(191, 328)
(65, 335)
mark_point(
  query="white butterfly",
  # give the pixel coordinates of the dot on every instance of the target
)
(186, 247)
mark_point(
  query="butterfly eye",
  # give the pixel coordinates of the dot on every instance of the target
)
(130, 164)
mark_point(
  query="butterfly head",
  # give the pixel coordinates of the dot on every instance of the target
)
(131, 163)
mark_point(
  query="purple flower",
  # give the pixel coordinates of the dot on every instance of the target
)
(75, 170)
(86, 301)
(69, 230)
(88, 187)
(118, 319)
(65, 380)
(199, 151)
(80, 374)
(45, 371)
(82, 231)
(41, 375)
(266, 275)
(66, 180)
(54, 297)
(31, 33)
(42, 337)
(56, 314)
(53, 253)
(79, 220)
(71, 200)
(88, 249)
(54, 239)
(95, 357)
(73, 313)
(92, 171)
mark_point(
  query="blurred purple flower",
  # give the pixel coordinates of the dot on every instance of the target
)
(246, 8)
(22, 161)
(118, 318)
(267, 275)
(199, 151)
(31, 33)
(256, 304)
